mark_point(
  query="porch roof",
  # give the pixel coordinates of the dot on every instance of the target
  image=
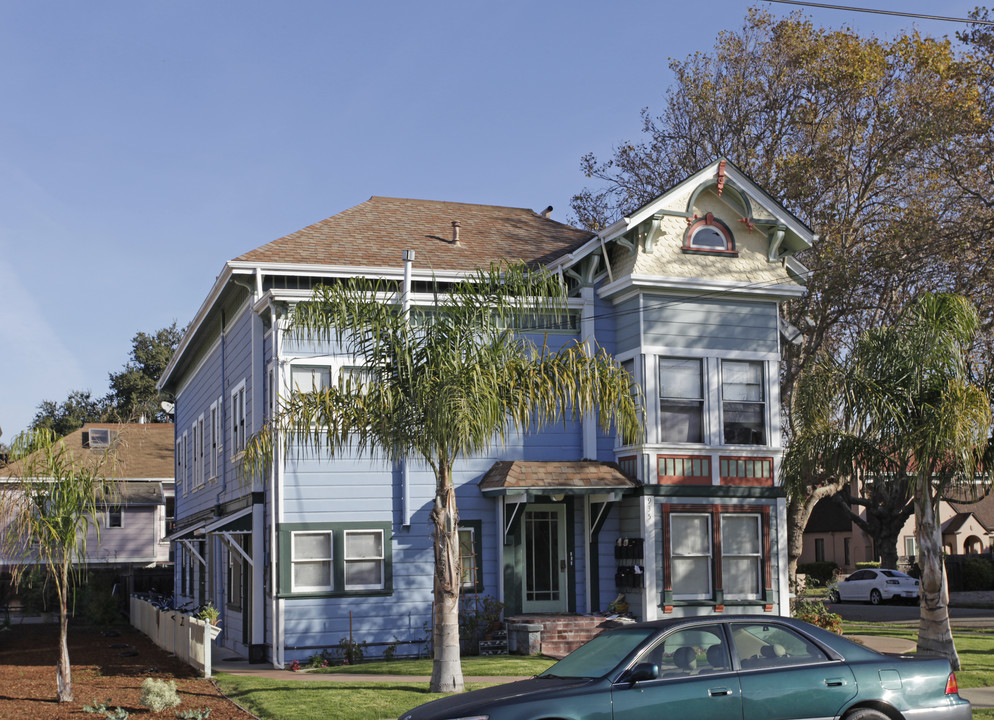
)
(560, 477)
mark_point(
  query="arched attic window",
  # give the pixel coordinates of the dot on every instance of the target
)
(709, 235)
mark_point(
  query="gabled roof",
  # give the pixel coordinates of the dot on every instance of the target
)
(376, 232)
(141, 451)
(983, 510)
(957, 521)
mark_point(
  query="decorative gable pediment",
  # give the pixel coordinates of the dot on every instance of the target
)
(717, 226)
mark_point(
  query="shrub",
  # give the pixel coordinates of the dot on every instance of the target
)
(870, 564)
(117, 713)
(201, 714)
(978, 574)
(818, 572)
(815, 612)
(352, 652)
(157, 695)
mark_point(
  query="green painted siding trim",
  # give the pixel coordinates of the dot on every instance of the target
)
(713, 491)
(338, 557)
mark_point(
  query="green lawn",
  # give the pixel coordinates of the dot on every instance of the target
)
(489, 665)
(317, 700)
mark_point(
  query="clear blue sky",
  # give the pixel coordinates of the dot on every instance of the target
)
(146, 142)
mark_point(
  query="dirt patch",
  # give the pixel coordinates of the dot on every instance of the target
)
(104, 665)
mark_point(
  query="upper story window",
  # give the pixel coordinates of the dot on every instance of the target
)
(310, 378)
(238, 418)
(743, 403)
(709, 234)
(681, 400)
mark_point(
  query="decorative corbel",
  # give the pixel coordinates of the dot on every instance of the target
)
(776, 240)
(652, 232)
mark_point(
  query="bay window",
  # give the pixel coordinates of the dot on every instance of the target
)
(681, 400)
(743, 403)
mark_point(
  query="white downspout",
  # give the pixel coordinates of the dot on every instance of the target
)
(588, 337)
(275, 509)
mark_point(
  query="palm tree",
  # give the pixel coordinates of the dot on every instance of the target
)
(902, 403)
(49, 497)
(442, 381)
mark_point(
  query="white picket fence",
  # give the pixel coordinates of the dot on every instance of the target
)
(183, 635)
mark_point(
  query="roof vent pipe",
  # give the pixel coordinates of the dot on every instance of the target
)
(547, 213)
(455, 232)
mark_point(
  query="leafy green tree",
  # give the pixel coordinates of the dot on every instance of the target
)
(132, 391)
(49, 498)
(71, 414)
(903, 403)
(439, 383)
(879, 145)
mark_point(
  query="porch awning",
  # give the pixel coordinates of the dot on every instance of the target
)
(187, 533)
(237, 522)
(582, 477)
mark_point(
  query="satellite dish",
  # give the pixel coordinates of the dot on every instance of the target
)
(168, 408)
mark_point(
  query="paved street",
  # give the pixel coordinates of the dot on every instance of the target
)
(908, 613)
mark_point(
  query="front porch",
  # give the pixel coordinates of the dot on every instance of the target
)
(562, 634)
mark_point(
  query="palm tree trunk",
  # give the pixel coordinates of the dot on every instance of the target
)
(935, 636)
(63, 672)
(446, 670)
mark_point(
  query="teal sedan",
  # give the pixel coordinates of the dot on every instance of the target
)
(742, 667)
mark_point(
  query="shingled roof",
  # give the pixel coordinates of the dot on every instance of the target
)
(141, 451)
(376, 232)
(552, 475)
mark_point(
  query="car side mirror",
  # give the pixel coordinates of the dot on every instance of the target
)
(642, 671)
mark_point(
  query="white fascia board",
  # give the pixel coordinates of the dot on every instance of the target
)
(212, 297)
(594, 244)
(698, 286)
(340, 271)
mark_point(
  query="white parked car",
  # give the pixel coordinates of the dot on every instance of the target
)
(874, 586)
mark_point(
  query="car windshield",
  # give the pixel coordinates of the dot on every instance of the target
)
(601, 655)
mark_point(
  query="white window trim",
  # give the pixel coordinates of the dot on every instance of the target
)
(185, 453)
(179, 466)
(217, 438)
(756, 556)
(765, 402)
(239, 419)
(330, 560)
(710, 557)
(199, 453)
(120, 509)
(381, 558)
(703, 367)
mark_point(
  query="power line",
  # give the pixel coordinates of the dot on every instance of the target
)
(883, 12)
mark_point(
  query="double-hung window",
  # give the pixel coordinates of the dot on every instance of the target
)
(690, 560)
(681, 400)
(335, 559)
(238, 418)
(311, 559)
(310, 378)
(743, 403)
(470, 538)
(215, 444)
(364, 559)
(741, 556)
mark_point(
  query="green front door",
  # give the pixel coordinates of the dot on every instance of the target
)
(544, 589)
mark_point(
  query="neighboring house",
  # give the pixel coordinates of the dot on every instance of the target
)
(132, 541)
(685, 292)
(831, 535)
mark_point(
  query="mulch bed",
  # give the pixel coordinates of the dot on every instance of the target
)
(105, 664)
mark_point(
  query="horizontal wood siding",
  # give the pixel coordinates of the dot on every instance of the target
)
(628, 331)
(710, 324)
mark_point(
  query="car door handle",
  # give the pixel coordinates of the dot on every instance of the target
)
(718, 692)
(835, 682)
